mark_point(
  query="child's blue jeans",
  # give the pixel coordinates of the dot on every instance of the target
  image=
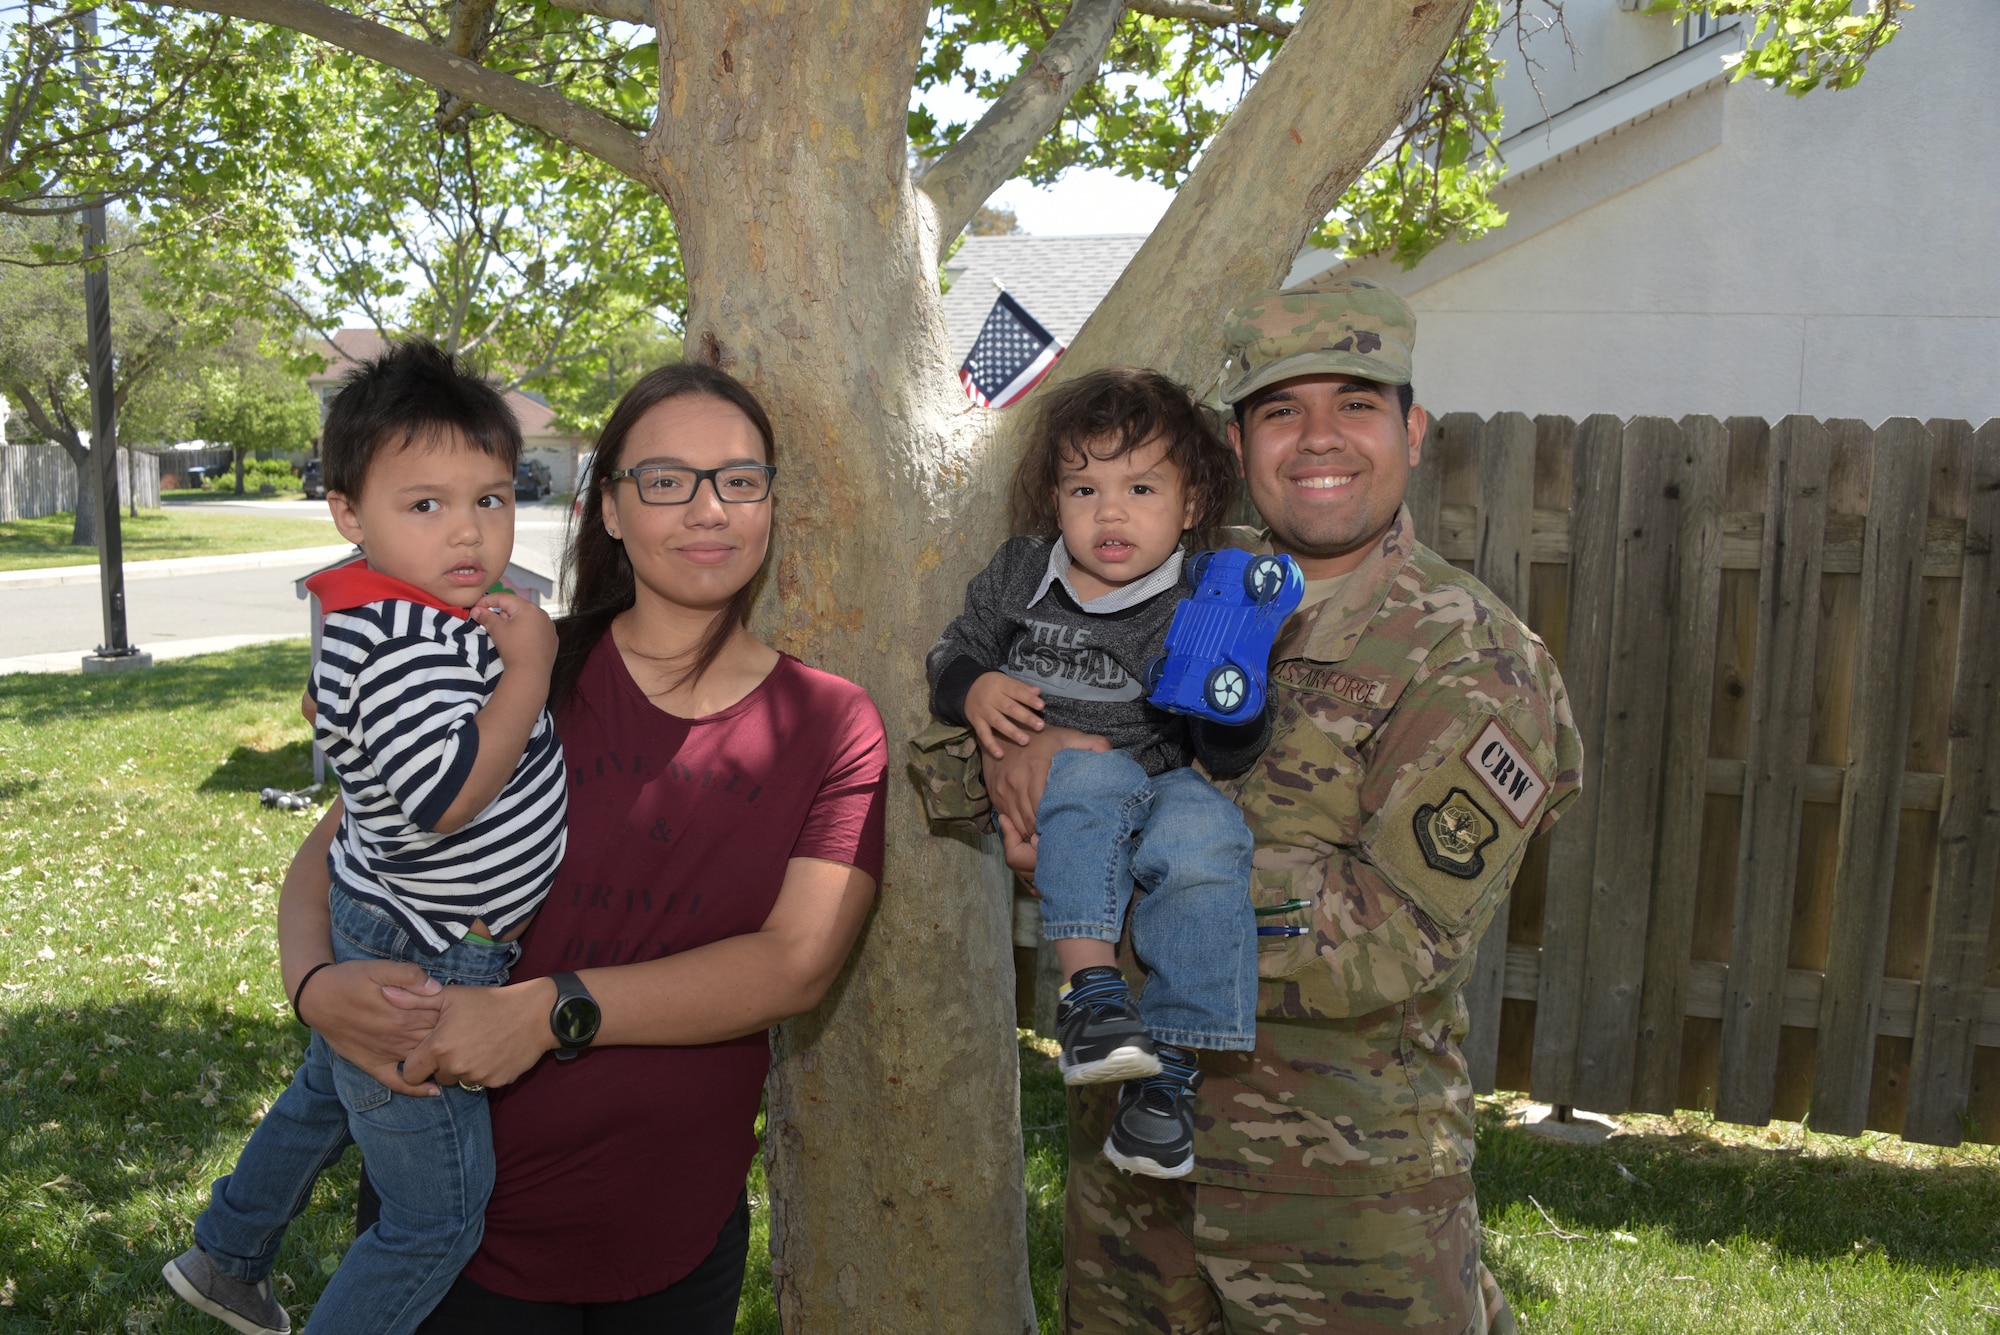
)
(1104, 823)
(430, 1158)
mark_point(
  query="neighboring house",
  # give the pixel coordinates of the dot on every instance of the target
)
(1678, 243)
(541, 438)
(1058, 279)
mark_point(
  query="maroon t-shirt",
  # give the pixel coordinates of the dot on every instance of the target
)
(616, 1171)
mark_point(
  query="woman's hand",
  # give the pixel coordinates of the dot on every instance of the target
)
(486, 1035)
(373, 1012)
(1016, 775)
(999, 706)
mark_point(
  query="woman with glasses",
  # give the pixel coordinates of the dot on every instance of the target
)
(725, 841)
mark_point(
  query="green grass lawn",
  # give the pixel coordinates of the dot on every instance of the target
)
(142, 1033)
(26, 544)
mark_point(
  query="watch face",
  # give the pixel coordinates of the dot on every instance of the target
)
(575, 1021)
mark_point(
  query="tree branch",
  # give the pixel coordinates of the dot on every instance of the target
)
(542, 108)
(1214, 16)
(1272, 173)
(63, 433)
(624, 11)
(987, 154)
(471, 22)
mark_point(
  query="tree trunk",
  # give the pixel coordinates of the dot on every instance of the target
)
(83, 530)
(1328, 100)
(239, 471)
(893, 1142)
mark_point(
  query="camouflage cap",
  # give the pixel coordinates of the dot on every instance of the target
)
(1325, 325)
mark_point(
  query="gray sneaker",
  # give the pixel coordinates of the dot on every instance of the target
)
(1103, 1039)
(1153, 1131)
(249, 1308)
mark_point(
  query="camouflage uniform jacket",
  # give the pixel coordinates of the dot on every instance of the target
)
(1421, 735)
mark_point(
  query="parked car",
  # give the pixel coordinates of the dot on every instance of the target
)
(311, 482)
(532, 480)
(1221, 636)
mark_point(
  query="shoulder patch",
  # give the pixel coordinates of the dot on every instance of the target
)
(1502, 765)
(1452, 834)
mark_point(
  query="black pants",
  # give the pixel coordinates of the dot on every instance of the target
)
(703, 1302)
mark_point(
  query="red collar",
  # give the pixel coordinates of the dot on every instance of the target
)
(355, 585)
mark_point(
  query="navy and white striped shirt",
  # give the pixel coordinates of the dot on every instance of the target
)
(398, 686)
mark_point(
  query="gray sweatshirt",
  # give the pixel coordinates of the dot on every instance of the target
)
(1022, 619)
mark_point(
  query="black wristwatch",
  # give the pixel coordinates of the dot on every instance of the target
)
(575, 1016)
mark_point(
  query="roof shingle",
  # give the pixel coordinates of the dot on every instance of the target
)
(1058, 279)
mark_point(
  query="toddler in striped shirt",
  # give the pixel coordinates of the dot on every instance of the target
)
(430, 692)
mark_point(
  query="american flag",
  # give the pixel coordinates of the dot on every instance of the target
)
(1011, 355)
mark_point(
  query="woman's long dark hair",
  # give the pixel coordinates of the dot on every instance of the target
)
(597, 580)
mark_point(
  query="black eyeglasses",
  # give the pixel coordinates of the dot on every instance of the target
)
(670, 484)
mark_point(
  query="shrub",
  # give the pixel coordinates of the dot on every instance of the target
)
(256, 473)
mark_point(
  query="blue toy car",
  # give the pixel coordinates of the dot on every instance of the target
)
(1220, 639)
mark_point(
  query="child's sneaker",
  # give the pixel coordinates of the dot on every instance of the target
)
(1102, 1038)
(1153, 1132)
(249, 1308)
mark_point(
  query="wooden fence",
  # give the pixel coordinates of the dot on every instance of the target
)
(1775, 897)
(37, 480)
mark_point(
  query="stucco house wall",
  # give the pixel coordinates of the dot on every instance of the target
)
(1678, 243)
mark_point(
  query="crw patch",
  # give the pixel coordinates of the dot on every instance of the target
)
(1502, 765)
(1452, 834)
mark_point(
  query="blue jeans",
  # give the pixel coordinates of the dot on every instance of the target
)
(1104, 823)
(430, 1158)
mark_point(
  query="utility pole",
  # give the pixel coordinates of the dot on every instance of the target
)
(116, 651)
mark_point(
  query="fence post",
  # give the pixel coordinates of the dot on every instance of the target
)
(1878, 740)
(1968, 845)
(1788, 590)
(1593, 536)
(1628, 769)
(1700, 477)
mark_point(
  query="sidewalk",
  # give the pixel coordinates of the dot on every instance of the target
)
(70, 660)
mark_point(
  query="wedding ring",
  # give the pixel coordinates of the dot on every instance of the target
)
(469, 1087)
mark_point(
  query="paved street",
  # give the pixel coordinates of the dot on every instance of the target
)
(196, 608)
(538, 532)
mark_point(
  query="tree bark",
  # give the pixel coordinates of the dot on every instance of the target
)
(893, 1143)
(1326, 103)
(83, 529)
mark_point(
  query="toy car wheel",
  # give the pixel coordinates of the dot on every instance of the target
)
(1198, 566)
(1227, 688)
(1264, 579)
(1154, 671)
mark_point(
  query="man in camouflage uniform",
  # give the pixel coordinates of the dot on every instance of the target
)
(1421, 735)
